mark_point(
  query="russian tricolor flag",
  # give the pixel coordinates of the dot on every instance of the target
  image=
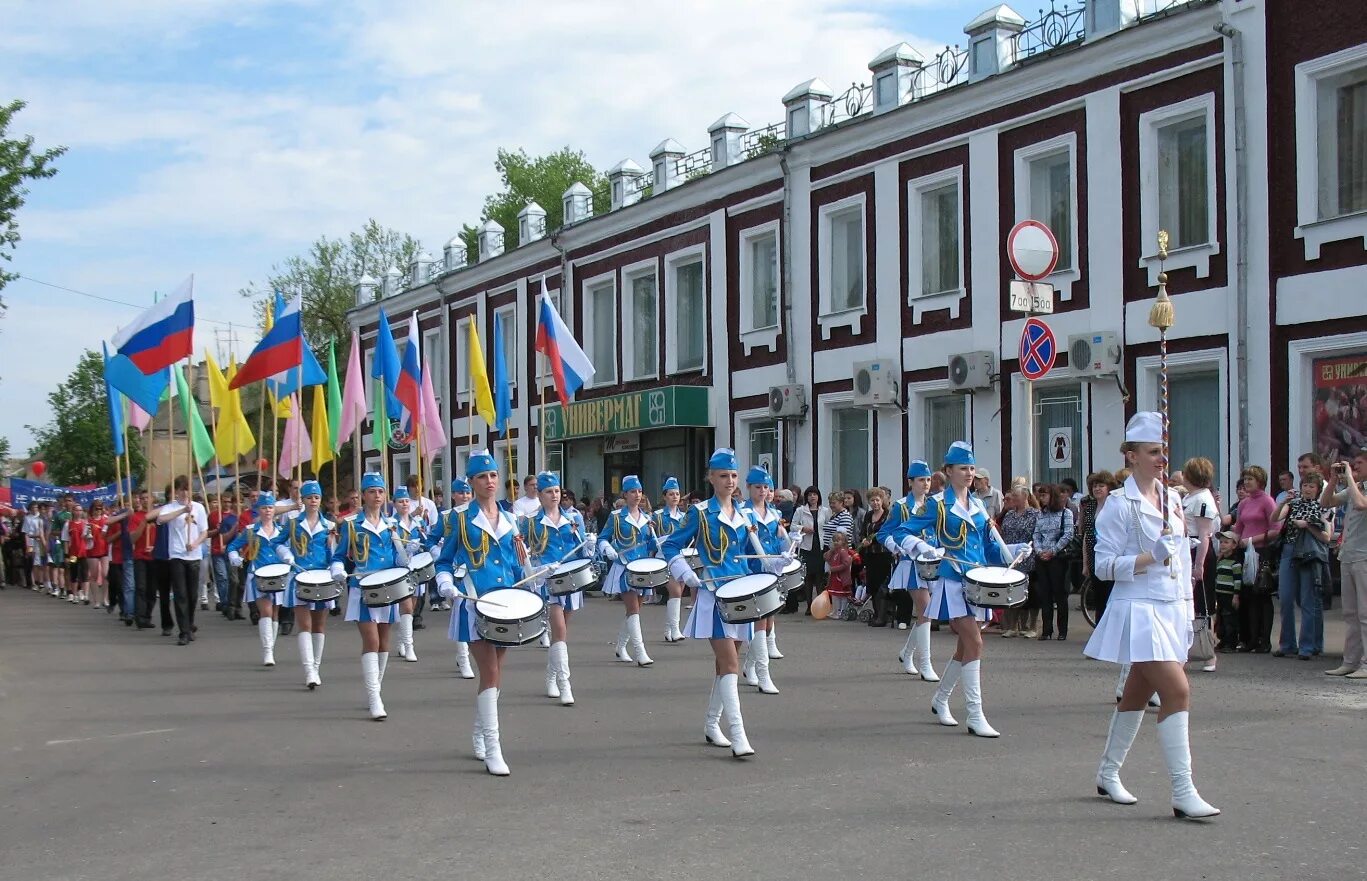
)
(162, 335)
(409, 387)
(279, 350)
(570, 367)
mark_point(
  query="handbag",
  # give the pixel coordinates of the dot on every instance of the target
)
(1265, 582)
(1203, 640)
(1308, 550)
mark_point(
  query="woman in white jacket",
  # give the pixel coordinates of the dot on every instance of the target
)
(809, 522)
(1148, 619)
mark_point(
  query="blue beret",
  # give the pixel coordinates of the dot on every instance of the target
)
(630, 482)
(757, 476)
(371, 480)
(547, 480)
(401, 493)
(311, 488)
(724, 459)
(265, 500)
(960, 453)
(460, 485)
(480, 462)
(918, 468)
(671, 483)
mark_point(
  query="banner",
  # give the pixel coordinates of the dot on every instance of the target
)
(1340, 388)
(24, 491)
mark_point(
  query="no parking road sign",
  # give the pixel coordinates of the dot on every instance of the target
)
(1038, 349)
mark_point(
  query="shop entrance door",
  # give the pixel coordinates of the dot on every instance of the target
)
(617, 466)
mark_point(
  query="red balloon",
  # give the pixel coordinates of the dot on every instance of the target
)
(39, 468)
(262, 464)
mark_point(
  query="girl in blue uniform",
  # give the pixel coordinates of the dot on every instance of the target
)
(413, 533)
(436, 536)
(767, 537)
(722, 535)
(484, 543)
(552, 537)
(665, 521)
(309, 536)
(262, 544)
(369, 543)
(962, 532)
(625, 539)
(905, 543)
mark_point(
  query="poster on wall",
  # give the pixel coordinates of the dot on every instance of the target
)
(1340, 406)
(1061, 448)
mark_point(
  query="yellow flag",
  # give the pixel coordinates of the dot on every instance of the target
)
(234, 438)
(322, 448)
(479, 379)
(218, 385)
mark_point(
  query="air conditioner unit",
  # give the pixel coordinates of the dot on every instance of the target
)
(877, 384)
(971, 370)
(787, 401)
(1094, 354)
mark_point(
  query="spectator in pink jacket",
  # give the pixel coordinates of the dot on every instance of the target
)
(1254, 524)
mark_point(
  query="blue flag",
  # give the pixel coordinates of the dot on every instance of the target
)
(122, 374)
(115, 406)
(385, 366)
(503, 400)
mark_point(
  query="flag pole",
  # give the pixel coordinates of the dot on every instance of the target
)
(171, 422)
(213, 424)
(275, 445)
(540, 387)
(261, 434)
(118, 481)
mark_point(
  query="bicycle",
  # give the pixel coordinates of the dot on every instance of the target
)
(1087, 600)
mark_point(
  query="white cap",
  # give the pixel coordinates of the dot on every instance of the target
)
(1144, 427)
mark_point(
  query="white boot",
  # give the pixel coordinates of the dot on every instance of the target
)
(545, 641)
(749, 663)
(318, 640)
(1173, 738)
(463, 660)
(305, 640)
(623, 634)
(370, 670)
(973, 700)
(772, 641)
(1119, 739)
(939, 705)
(488, 714)
(406, 649)
(477, 734)
(908, 655)
(552, 689)
(263, 627)
(275, 632)
(672, 632)
(730, 699)
(759, 648)
(711, 729)
(560, 654)
(638, 645)
(921, 652)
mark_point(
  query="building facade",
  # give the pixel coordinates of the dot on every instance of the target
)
(831, 295)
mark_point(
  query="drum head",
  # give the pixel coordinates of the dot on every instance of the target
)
(273, 570)
(569, 567)
(420, 560)
(384, 576)
(928, 558)
(517, 604)
(745, 586)
(314, 576)
(688, 552)
(648, 565)
(995, 575)
(791, 566)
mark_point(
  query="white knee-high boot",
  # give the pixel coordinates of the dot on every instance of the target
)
(463, 660)
(305, 640)
(406, 649)
(493, 750)
(1173, 737)
(552, 689)
(384, 665)
(560, 655)
(624, 634)
(748, 663)
(730, 699)
(772, 641)
(908, 654)
(672, 632)
(370, 671)
(638, 645)
(275, 632)
(939, 705)
(1119, 739)
(318, 640)
(973, 700)
(759, 650)
(263, 627)
(545, 640)
(921, 652)
(711, 729)
(477, 734)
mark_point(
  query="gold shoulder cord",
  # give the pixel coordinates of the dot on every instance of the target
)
(950, 542)
(538, 542)
(477, 555)
(358, 544)
(253, 546)
(299, 539)
(716, 553)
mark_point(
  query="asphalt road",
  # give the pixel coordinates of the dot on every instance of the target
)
(126, 757)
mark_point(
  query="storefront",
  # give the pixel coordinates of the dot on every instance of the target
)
(654, 434)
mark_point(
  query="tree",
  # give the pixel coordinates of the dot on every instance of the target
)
(4, 450)
(18, 163)
(76, 444)
(542, 180)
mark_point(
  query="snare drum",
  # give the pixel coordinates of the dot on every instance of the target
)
(790, 577)
(647, 574)
(272, 578)
(316, 586)
(423, 566)
(570, 577)
(386, 587)
(693, 558)
(928, 568)
(519, 617)
(748, 598)
(995, 587)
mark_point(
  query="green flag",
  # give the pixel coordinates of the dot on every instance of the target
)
(200, 441)
(334, 399)
(380, 435)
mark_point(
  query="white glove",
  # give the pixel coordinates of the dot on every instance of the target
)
(338, 572)
(775, 567)
(412, 547)
(285, 554)
(891, 544)
(235, 558)
(683, 573)
(608, 551)
(446, 585)
(1167, 547)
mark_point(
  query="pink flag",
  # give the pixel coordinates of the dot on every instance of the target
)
(296, 447)
(138, 417)
(433, 433)
(354, 406)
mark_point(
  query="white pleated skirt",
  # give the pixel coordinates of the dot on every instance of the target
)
(947, 602)
(462, 626)
(1135, 631)
(904, 576)
(360, 612)
(570, 602)
(616, 582)
(705, 621)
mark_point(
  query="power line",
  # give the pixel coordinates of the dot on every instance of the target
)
(59, 287)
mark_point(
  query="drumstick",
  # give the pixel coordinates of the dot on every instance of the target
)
(460, 596)
(763, 557)
(721, 579)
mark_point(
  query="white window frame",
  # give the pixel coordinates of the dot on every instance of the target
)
(1300, 357)
(601, 375)
(1193, 256)
(1313, 231)
(746, 421)
(368, 357)
(1147, 380)
(461, 394)
(431, 341)
(848, 318)
(918, 397)
(630, 274)
(694, 254)
(1063, 279)
(829, 405)
(1021, 457)
(753, 336)
(919, 301)
(508, 318)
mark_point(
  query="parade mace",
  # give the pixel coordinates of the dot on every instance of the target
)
(1162, 317)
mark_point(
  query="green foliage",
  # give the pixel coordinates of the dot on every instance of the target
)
(76, 444)
(763, 144)
(542, 180)
(4, 449)
(18, 163)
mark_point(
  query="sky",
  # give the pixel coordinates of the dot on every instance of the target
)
(220, 137)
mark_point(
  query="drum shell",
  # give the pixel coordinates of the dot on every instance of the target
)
(791, 578)
(745, 609)
(425, 572)
(271, 583)
(319, 591)
(995, 594)
(579, 578)
(648, 579)
(379, 595)
(928, 568)
(497, 627)
(693, 558)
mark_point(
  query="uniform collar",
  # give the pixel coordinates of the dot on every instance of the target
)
(495, 530)
(1133, 493)
(737, 518)
(384, 526)
(545, 519)
(770, 515)
(639, 521)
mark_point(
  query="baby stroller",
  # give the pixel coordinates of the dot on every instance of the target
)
(860, 606)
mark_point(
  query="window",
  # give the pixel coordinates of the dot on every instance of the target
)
(507, 319)
(509, 463)
(1058, 426)
(602, 320)
(1051, 201)
(944, 425)
(1342, 118)
(764, 446)
(719, 150)
(463, 358)
(434, 360)
(690, 325)
(1183, 200)
(1331, 149)
(940, 239)
(846, 259)
(851, 447)
(1193, 398)
(885, 90)
(642, 348)
(759, 281)
(555, 460)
